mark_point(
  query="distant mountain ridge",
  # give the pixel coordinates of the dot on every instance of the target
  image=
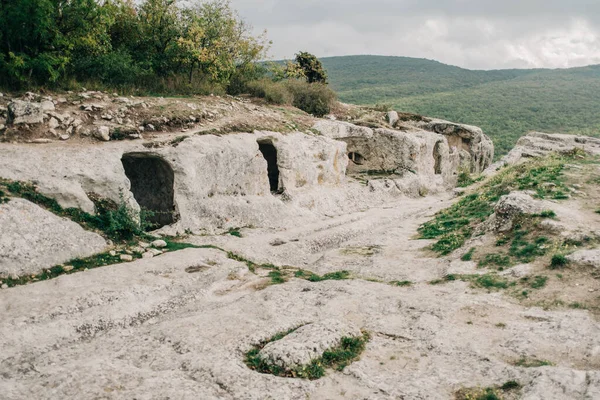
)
(505, 103)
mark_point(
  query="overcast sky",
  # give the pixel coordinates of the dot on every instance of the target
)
(476, 34)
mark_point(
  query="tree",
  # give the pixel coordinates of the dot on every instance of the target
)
(216, 42)
(38, 37)
(308, 66)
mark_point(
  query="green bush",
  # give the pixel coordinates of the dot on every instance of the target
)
(559, 261)
(313, 98)
(272, 92)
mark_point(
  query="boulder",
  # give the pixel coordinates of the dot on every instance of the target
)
(53, 123)
(511, 206)
(34, 239)
(102, 133)
(25, 112)
(47, 106)
(586, 257)
(307, 343)
(393, 118)
(159, 244)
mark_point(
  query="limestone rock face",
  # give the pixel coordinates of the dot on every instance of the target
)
(414, 161)
(25, 112)
(69, 174)
(307, 343)
(537, 144)
(477, 149)
(33, 239)
(340, 129)
(205, 182)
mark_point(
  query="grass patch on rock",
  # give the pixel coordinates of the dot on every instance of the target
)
(312, 277)
(526, 362)
(336, 358)
(453, 226)
(508, 390)
(114, 220)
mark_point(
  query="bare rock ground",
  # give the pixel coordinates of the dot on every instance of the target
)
(151, 330)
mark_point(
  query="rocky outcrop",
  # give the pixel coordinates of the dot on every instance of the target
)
(476, 149)
(33, 239)
(216, 182)
(537, 144)
(510, 207)
(25, 112)
(408, 161)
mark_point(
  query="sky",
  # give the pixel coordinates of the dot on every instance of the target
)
(474, 34)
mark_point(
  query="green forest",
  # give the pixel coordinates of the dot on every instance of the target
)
(150, 47)
(505, 103)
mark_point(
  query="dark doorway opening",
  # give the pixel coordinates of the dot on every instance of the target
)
(437, 157)
(269, 152)
(356, 158)
(152, 182)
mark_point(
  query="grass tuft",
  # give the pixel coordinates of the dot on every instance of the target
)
(559, 261)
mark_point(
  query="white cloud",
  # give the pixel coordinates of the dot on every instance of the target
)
(481, 34)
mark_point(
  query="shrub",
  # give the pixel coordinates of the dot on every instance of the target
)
(272, 92)
(559, 261)
(313, 98)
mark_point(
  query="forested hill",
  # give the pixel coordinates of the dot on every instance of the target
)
(505, 103)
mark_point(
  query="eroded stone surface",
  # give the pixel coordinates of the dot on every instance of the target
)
(510, 206)
(307, 343)
(32, 239)
(538, 144)
(25, 112)
(586, 257)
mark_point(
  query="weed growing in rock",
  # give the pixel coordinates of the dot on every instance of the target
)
(277, 277)
(3, 197)
(547, 214)
(401, 283)
(337, 358)
(469, 255)
(538, 282)
(312, 277)
(489, 281)
(466, 179)
(497, 259)
(531, 363)
(234, 232)
(559, 261)
(490, 393)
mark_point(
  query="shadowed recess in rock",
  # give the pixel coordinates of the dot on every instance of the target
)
(437, 157)
(152, 181)
(269, 152)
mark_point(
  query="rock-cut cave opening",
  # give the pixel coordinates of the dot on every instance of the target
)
(437, 158)
(269, 152)
(152, 182)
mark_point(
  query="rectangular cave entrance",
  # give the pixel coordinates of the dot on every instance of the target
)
(269, 152)
(152, 182)
(437, 159)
